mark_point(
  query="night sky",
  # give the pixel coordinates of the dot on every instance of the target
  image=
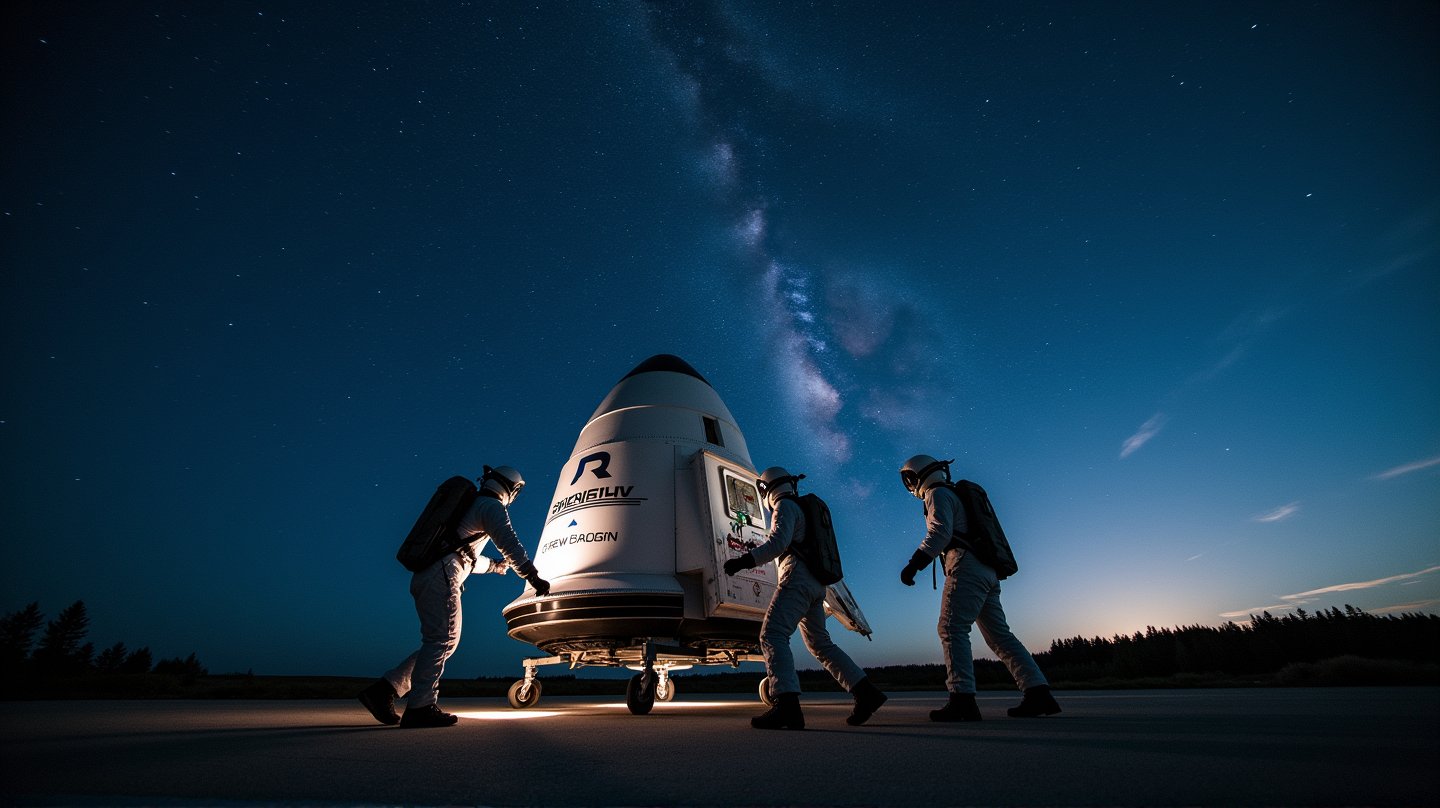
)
(1162, 277)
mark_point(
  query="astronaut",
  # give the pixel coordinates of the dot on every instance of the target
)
(972, 594)
(799, 600)
(437, 591)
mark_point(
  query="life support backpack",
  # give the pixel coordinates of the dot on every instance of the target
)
(436, 533)
(984, 536)
(819, 550)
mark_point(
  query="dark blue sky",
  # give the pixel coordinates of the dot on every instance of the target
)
(1164, 279)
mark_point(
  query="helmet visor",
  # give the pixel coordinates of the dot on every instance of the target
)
(512, 488)
(910, 479)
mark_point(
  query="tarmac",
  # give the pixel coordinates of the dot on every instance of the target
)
(1350, 746)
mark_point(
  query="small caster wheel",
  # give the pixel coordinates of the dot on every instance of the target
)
(665, 691)
(640, 693)
(767, 696)
(521, 696)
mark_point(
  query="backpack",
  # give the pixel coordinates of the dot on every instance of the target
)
(819, 550)
(436, 532)
(985, 536)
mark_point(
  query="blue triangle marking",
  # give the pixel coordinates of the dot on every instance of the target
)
(573, 523)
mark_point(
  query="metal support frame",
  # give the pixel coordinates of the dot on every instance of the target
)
(530, 665)
(657, 659)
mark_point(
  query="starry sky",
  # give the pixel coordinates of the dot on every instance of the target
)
(1162, 278)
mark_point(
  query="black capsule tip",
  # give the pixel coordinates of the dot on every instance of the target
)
(665, 361)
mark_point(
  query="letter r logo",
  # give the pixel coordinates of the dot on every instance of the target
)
(603, 458)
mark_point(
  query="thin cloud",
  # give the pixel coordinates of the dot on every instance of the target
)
(1245, 328)
(1277, 514)
(1219, 367)
(1192, 558)
(1408, 607)
(1240, 335)
(1412, 243)
(1358, 585)
(1256, 610)
(1148, 430)
(1407, 468)
(1236, 339)
(1400, 263)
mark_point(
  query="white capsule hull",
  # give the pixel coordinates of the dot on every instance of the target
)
(656, 495)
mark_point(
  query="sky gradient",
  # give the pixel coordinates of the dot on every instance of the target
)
(1162, 279)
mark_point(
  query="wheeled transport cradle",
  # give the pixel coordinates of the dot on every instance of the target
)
(655, 661)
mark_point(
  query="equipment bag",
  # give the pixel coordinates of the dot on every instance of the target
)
(984, 536)
(819, 550)
(435, 534)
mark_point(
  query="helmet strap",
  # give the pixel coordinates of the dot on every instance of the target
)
(924, 474)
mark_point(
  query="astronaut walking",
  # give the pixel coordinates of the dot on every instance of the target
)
(799, 601)
(972, 594)
(437, 590)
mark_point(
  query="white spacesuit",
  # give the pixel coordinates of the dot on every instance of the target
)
(437, 590)
(799, 601)
(972, 595)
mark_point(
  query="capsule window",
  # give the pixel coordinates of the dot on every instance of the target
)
(712, 431)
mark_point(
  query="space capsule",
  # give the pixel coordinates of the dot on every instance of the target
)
(658, 493)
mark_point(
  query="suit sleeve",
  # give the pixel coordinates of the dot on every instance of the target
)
(495, 521)
(943, 516)
(785, 527)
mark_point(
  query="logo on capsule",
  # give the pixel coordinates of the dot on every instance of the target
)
(603, 458)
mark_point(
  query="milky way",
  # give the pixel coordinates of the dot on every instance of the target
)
(848, 344)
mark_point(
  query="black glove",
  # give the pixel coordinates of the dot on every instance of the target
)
(540, 585)
(532, 577)
(918, 562)
(744, 562)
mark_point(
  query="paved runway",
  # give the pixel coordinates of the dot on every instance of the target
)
(1198, 747)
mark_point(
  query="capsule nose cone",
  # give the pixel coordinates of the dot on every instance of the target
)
(665, 399)
(665, 361)
(664, 380)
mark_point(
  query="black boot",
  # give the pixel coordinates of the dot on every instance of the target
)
(960, 707)
(784, 715)
(868, 699)
(379, 699)
(427, 716)
(1037, 702)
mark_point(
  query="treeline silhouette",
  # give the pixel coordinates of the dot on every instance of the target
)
(1266, 645)
(62, 653)
(1327, 648)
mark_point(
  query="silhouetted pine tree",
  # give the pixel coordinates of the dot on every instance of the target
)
(118, 659)
(139, 661)
(60, 652)
(186, 670)
(17, 636)
(111, 659)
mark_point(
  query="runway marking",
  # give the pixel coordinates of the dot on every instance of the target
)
(672, 704)
(505, 715)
